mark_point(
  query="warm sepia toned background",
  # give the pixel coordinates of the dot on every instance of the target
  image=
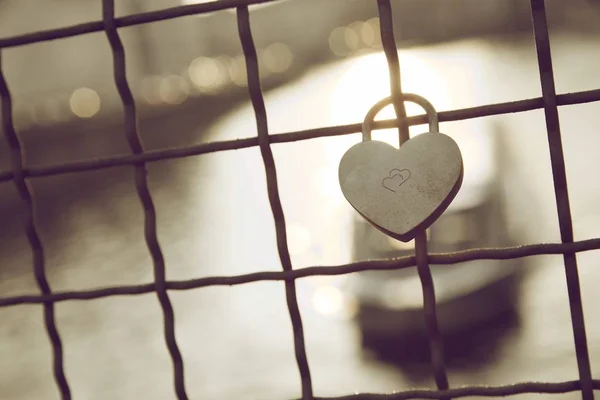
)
(321, 64)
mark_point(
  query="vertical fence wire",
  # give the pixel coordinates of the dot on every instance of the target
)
(256, 97)
(39, 262)
(141, 183)
(429, 303)
(388, 42)
(436, 343)
(542, 42)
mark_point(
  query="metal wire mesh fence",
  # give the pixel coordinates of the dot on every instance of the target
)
(138, 158)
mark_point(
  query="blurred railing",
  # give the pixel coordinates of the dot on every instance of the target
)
(171, 61)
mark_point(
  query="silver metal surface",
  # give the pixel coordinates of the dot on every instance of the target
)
(402, 190)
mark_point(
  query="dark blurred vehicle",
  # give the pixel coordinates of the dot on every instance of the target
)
(469, 295)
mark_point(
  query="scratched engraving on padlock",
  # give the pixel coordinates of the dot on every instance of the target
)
(395, 179)
(401, 191)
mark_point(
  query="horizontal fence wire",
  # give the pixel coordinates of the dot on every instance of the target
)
(508, 253)
(469, 391)
(129, 20)
(566, 99)
(549, 101)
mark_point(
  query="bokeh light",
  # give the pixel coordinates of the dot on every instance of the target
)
(264, 71)
(355, 39)
(237, 71)
(225, 62)
(367, 33)
(370, 33)
(150, 90)
(277, 57)
(351, 39)
(85, 102)
(337, 42)
(173, 89)
(207, 74)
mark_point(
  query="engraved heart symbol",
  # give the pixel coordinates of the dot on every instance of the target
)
(395, 179)
(419, 182)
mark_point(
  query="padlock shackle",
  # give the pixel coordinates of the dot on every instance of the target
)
(434, 124)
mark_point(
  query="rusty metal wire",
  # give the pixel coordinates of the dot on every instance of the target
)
(507, 253)
(39, 261)
(581, 97)
(388, 41)
(542, 42)
(141, 183)
(129, 20)
(468, 391)
(256, 97)
(549, 101)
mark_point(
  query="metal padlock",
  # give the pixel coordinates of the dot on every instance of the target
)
(402, 191)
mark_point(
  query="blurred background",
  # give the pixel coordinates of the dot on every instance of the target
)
(321, 64)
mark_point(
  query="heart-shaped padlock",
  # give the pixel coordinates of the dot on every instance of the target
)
(402, 191)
